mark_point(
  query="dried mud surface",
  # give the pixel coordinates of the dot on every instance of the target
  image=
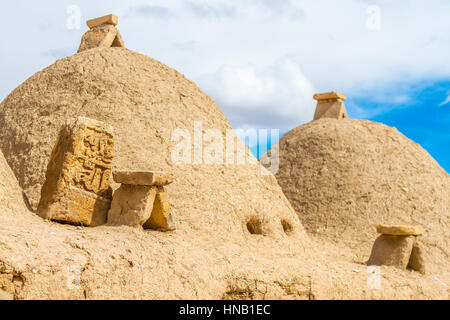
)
(237, 235)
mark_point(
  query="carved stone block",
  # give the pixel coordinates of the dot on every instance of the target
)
(77, 186)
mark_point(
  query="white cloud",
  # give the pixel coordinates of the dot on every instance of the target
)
(262, 57)
(277, 95)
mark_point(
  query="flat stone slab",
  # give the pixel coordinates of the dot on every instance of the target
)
(330, 96)
(108, 19)
(143, 178)
(400, 230)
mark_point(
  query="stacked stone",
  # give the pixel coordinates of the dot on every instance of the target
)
(399, 247)
(330, 105)
(102, 33)
(141, 200)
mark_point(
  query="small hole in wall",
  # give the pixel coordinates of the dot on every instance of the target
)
(287, 226)
(254, 226)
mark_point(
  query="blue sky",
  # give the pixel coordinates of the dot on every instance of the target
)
(262, 60)
(425, 119)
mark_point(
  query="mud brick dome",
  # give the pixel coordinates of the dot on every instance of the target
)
(345, 176)
(144, 101)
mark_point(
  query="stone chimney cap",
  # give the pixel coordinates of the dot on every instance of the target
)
(143, 178)
(330, 96)
(400, 230)
(108, 19)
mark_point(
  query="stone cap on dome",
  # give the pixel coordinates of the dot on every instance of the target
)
(330, 105)
(330, 96)
(400, 230)
(102, 34)
(108, 19)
